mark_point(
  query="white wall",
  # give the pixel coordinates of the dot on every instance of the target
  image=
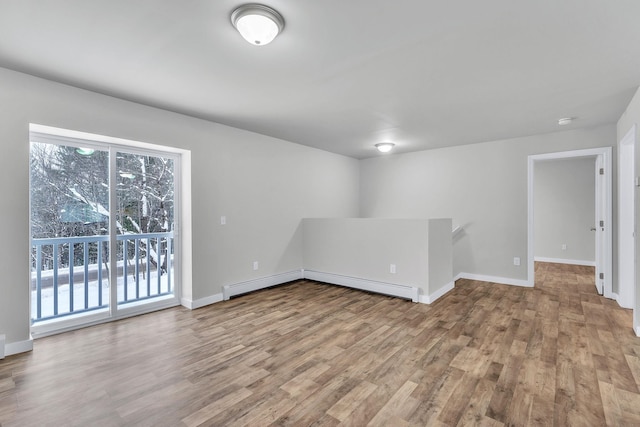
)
(440, 258)
(565, 210)
(263, 185)
(483, 187)
(365, 248)
(630, 117)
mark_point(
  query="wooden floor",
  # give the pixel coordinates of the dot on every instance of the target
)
(312, 354)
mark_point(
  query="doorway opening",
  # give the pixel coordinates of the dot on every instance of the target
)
(602, 228)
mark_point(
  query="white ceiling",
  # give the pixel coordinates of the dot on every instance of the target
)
(346, 74)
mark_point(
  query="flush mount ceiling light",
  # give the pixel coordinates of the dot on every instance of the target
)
(257, 23)
(565, 120)
(385, 147)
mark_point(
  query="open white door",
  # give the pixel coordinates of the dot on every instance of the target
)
(636, 183)
(626, 220)
(599, 226)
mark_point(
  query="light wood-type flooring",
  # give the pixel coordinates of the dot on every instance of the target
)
(312, 354)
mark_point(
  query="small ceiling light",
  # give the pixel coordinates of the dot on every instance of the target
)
(257, 23)
(385, 147)
(565, 120)
(85, 151)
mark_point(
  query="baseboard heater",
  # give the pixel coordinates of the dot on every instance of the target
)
(235, 289)
(407, 292)
(401, 291)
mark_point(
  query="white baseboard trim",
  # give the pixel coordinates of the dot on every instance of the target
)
(192, 305)
(402, 291)
(430, 299)
(617, 298)
(18, 347)
(495, 279)
(565, 261)
(229, 291)
(2, 337)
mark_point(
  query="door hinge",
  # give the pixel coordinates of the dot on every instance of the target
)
(601, 171)
(601, 276)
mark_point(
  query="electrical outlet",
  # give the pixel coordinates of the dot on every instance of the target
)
(223, 220)
(392, 268)
(255, 265)
(516, 261)
(564, 246)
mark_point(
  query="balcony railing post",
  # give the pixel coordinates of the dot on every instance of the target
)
(159, 262)
(99, 273)
(86, 275)
(169, 263)
(39, 281)
(71, 259)
(55, 279)
(136, 245)
(125, 262)
(148, 266)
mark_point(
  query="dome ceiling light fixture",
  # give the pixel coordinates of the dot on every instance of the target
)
(385, 147)
(257, 23)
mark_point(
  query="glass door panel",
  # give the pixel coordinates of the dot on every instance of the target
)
(144, 222)
(69, 201)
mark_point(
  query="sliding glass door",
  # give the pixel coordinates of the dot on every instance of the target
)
(102, 231)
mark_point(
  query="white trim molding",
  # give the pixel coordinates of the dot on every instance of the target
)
(192, 305)
(234, 289)
(566, 261)
(495, 279)
(621, 301)
(430, 299)
(18, 347)
(401, 291)
(2, 337)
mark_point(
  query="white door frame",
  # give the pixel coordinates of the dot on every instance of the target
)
(58, 136)
(604, 235)
(626, 220)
